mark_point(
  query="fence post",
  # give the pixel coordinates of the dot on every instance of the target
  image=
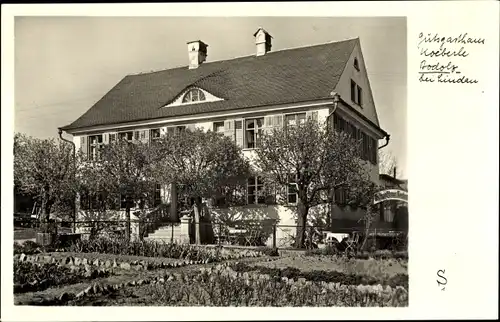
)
(274, 236)
(220, 233)
(172, 237)
(310, 236)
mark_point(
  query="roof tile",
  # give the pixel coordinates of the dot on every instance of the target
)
(285, 76)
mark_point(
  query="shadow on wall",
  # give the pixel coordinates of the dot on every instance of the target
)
(401, 219)
(258, 221)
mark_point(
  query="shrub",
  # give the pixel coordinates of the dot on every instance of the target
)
(324, 276)
(269, 251)
(29, 277)
(155, 249)
(28, 247)
(225, 287)
(329, 250)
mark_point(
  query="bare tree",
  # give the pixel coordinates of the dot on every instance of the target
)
(44, 169)
(388, 164)
(201, 163)
(317, 162)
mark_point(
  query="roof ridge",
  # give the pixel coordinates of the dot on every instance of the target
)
(252, 55)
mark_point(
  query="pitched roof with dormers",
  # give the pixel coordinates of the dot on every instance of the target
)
(278, 77)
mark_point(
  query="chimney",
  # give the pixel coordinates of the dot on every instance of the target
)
(197, 52)
(262, 41)
(394, 171)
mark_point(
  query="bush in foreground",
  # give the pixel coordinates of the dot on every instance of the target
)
(378, 254)
(324, 276)
(29, 277)
(226, 287)
(121, 246)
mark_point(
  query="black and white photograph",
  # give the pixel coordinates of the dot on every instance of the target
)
(231, 161)
(210, 162)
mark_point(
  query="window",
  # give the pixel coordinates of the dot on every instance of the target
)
(93, 201)
(194, 95)
(95, 144)
(255, 191)
(154, 134)
(292, 191)
(254, 128)
(219, 127)
(157, 195)
(353, 91)
(112, 137)
(356, 64)
(360, 96)
(340, 196)
(356, 93)
(127, 136)
(294, 119)
(175, 130)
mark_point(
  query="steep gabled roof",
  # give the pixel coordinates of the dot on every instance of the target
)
(279, 77)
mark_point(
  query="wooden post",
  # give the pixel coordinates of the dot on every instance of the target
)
(220, 232)
(173, 202)
(274, 236)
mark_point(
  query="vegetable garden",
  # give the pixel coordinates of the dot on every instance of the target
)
(110, 272)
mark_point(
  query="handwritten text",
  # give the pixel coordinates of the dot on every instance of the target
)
(441, 57)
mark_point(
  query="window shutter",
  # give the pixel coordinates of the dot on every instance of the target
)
(369, 141)
(313, 115)
(84, 145)
(278, 121)
(105, 138)
(144, 134)
(112, 137)
(360, 142)
(229, 129)
(365, 146)
(268, 124)
(238, 125)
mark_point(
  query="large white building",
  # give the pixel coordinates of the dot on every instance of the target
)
(241, 97)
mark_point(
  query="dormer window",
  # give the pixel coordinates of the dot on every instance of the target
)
(356, 64)
(194, 95)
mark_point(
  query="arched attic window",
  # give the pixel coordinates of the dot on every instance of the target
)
(356, 64)
(193, 95)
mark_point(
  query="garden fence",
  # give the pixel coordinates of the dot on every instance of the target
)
(239, 233)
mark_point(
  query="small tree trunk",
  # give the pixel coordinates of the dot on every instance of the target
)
(44, 217)
(197, 209)
(127, 215)
(301, 224)
(368, 222)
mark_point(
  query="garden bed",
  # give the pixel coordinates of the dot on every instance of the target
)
(149, 249)
(372, 267)
(330, 276)
(222, 286)
(54, 295)
(30, 276)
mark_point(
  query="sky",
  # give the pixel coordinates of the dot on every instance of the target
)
(63, 65)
